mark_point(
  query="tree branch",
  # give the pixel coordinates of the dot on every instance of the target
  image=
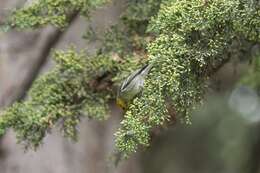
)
(51, 37)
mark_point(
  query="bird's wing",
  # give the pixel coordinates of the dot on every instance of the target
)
(131, 77)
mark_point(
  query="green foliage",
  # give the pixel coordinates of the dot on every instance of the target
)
(54, 12)
(138, 14)
(61, 96)
(64, 95)
(191, 40)
(193, 37)
(129, 36)
(252, 76)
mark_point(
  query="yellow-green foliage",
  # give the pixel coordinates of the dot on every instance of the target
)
(63, 95)
(54, 12)
(191, 39)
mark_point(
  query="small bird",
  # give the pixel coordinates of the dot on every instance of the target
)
(132, 86)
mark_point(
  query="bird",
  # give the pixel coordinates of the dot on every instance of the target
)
(132, 86)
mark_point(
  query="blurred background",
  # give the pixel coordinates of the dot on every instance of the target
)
(223, 138)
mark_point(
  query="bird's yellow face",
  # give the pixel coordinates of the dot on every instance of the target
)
(121, 103)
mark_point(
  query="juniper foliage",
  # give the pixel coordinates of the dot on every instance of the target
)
(185, 40)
